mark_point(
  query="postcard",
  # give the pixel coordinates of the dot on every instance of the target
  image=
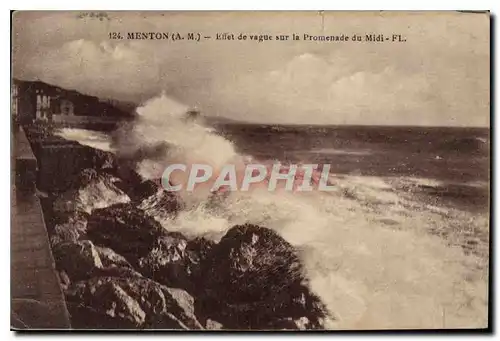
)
(242, 171)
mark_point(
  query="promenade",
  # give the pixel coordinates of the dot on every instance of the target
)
(37, 301)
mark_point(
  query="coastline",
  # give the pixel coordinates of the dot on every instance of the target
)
(111, 253)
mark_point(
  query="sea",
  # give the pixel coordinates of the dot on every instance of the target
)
(403, 240)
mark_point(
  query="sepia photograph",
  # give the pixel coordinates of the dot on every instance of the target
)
(250, 171)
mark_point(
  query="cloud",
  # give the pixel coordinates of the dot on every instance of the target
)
(439, 77)
(312, 89)
(97, 68)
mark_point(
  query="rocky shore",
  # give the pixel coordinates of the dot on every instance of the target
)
(119, 268)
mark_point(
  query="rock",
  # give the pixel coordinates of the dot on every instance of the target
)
(213, 325)
(165, 263)
(64, 233)
(94, 190)
(173, 260)
(116, 271)
(125, 229)
(99, 159)
(290, 324)
(252, 254)
(110, 258)
(167, 321)
(198, 249)
(114, 265)
(115, 302)
(66, 226)
(252, 279)
(123, 299)
(162, 205)
(78, 259)
(64, 280)
(106, 306)
(144, 190)
(183, 306)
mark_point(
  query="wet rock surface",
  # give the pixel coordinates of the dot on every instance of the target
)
(125, 229)
(95, 190)
(162, 205)
(77, 259)
(174, 260)
(253, 279)
(133, 303)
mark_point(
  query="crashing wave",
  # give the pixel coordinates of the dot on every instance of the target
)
(361, 245)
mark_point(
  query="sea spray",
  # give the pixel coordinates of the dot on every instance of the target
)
(372, 274)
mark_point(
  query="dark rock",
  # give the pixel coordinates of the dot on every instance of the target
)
(117, 303)
(198, 249)
(143, 190)
(64, 233)
(173, 260)
(116, 271)
(252, 279)
(99, 159)
(93, 190)
(110, 258)
(114, 265)
(182, 304)
(63, 226)
(149, 194)
(162, 204)
(135, 302)
(165, 263)
(302, 323)
(55, 217)
(256, 255)
(78, 260)
(106, 306)
(167, 321)
(125, 229)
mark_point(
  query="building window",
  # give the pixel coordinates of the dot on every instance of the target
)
(42, 107)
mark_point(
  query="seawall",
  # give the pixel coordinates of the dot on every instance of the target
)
(37, 301)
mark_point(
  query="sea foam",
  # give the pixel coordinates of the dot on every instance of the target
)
(372, 274)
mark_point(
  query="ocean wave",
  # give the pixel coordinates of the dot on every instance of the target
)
(91, 138)
(366, 246)
(466, 144)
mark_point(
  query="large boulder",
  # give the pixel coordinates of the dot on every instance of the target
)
(64, 233)
(66, 226)
(93, 190)
(110, 258)
(77, 259)
(162, 205)
(105, 306)
(173, 260)
(114, 265)
(142, 190)
(131, 303)
(116, 271)
(125, 229)
(253, 279)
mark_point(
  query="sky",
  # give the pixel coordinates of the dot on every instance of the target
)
(440, 76)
